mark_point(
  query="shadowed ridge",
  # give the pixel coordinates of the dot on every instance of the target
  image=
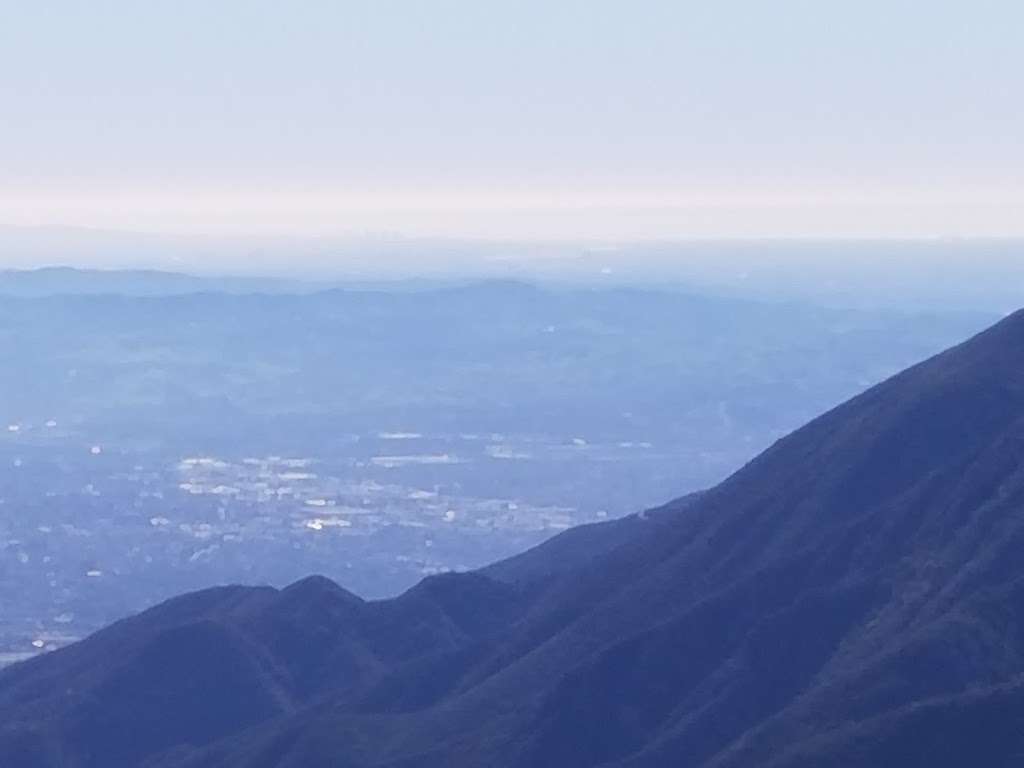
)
(317, 587)
(574, 548)
(476, 604)
(313, 629)
(78, 661)
(177, 671)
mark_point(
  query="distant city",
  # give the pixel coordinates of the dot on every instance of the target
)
(94, 531)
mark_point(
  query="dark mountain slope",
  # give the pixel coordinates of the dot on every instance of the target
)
(206, 664)
(895, 498)
(853, 587)
(576, 547)
(982, 727)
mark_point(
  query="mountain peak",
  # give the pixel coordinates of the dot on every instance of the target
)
(317, 586)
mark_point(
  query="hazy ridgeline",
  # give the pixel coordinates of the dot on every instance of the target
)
(923, 274)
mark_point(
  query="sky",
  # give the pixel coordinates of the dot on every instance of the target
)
(518, 120)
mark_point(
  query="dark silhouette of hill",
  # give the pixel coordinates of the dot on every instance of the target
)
(854, 596)
(205, 664)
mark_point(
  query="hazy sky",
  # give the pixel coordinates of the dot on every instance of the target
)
(515, 119)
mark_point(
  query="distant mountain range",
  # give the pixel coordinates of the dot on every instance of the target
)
(852, 597)
(868, 274)
(64, 281)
